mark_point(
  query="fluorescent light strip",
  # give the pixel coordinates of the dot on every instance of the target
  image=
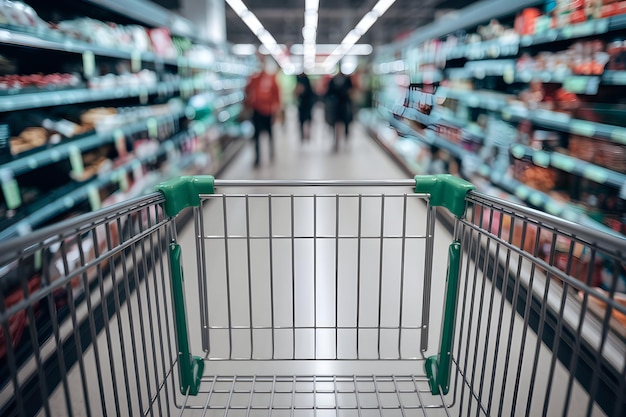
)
(355, 34)
(309, 33)
(262, 34)
(325, 49)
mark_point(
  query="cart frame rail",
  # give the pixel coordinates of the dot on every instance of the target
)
(95, 311)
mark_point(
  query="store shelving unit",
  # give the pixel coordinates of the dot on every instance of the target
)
(206, 98)
(479, 119)
(180, 119)
(496, 59)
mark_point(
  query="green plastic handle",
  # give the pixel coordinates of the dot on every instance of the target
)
(445, 190)
(183, 192)
(190, 367)
(439, 368)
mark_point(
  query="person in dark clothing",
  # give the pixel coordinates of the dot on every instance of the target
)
(338, 102)
(305, 97)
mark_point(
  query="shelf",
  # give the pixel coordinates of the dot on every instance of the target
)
(572, 165)
(83, 95)
(564, 123)
(470, 16)
(151, 14)
(489, 101)
(415, 115)
(544, 202)
(526, 194)
(510, 46)
(580, 30)
(614, 77)
(54, 42)
(86, 191)
(545, 118)
(65, 150)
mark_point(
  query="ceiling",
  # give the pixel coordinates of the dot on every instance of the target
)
(284, 19)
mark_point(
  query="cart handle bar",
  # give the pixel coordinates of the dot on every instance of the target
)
(444, 190)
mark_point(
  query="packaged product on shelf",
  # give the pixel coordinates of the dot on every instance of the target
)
(90, 118)
(162, 42)
(543, 179)
(17, 323)
(546, 140)
(525, 21)
(20, 14)
(16, 82)
(617, 54)
(604, 153)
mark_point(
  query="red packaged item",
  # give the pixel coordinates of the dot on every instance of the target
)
(162, 42)
(525, 21)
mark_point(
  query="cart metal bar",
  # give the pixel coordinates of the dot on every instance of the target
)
(314, 183)
(597, 236)
(444, 189)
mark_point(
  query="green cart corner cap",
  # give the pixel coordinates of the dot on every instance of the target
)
(445, 190)
(185, 192)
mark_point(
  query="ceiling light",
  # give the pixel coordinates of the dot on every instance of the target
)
(366, 23)
(359, 30)
(381, 7)
(244, 49)
(327, 49)
(253, 23)
(311, 5)
(238, 6)
(264, 36)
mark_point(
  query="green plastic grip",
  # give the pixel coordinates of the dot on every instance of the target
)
(190, 367)
(439, 368)
(185, 192)
(445, 190)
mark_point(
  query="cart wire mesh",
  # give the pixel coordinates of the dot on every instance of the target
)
(313, 298)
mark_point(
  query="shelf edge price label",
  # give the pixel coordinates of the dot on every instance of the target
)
(153, 127)
(596, 174)
(541, 158)
(553, 208)
(137, 170)
(619, 135)
(582, 128)
(120, 142)
(522, 192)
(518, 151)
(135, 61)
(562, 162)
(122, 178)
(536, 199)
(93, 195)
(76, 161)
(10, 189)
(89, 64)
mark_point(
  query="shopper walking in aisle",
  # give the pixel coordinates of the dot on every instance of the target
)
(338, 103)
(263, 100)
(305, 98)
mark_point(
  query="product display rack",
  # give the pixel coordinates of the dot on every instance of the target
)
(483, 120)
(492, 65)
(202, 100)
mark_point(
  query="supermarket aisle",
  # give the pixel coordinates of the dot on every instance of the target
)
(359, 158)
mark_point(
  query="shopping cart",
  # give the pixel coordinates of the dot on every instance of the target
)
(313, 298)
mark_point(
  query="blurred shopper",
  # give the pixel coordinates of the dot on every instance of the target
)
(338, 103)
(305, 98)
(263, 100)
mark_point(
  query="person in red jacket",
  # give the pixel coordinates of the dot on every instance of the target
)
(263, 99)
